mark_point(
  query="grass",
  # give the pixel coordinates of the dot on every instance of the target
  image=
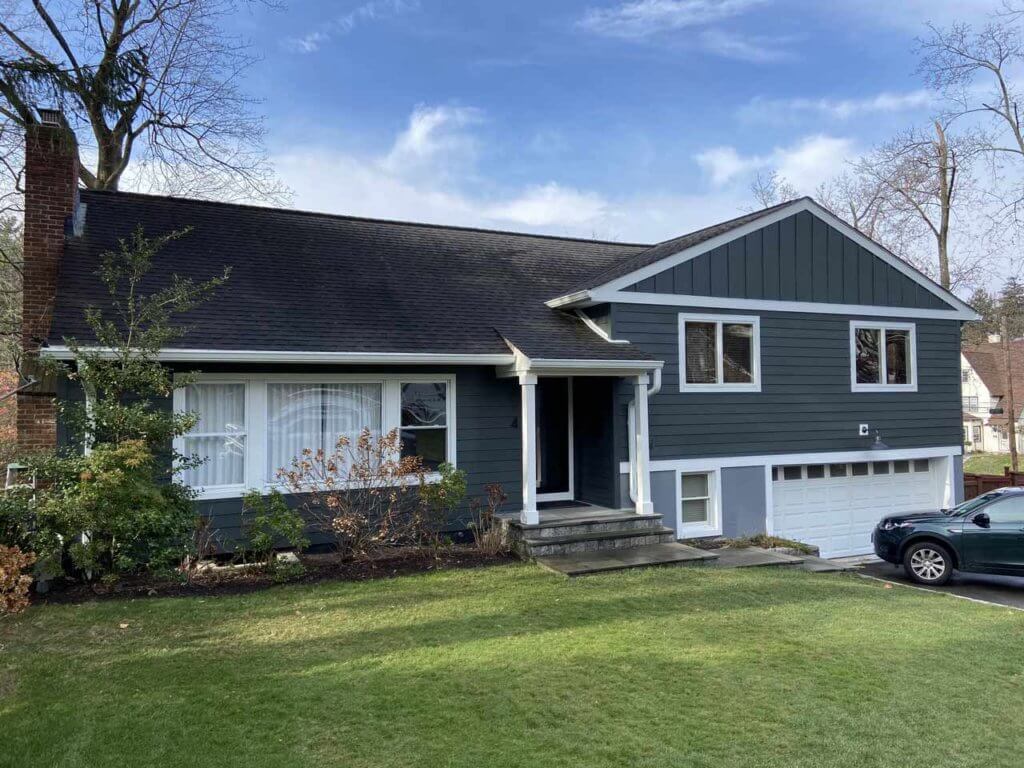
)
(512, 666)
(986, 463)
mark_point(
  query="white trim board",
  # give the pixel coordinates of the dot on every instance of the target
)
(771, 305)
(830, 457)
(615, 287)
(61, 352)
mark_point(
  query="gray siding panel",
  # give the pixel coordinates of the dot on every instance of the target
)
(663, 497)
(800, 258)
(743, 501)
(805, 404)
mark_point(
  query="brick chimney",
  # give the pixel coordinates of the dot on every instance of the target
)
(51, 197)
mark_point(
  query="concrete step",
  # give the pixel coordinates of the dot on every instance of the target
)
(603, 561)
(753, 557)
(597, 540)
(562, 528)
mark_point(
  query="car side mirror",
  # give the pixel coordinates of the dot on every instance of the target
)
(982, 520)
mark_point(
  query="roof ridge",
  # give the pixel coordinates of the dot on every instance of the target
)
(370, 219)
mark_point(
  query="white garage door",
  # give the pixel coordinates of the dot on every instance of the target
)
(835, 506)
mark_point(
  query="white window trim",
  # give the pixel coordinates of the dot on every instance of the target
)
(713, 527)
(883, 326)
(256, 418)
(720, 385)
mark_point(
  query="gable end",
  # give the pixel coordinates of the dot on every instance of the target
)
(798, 258)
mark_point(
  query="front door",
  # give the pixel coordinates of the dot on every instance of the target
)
(1001, 544)
(554, 439)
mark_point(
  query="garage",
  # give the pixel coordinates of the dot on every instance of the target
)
(835, 506)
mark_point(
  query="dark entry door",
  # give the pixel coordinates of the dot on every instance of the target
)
(553, 441)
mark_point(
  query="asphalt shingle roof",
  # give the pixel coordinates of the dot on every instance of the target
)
(651, 254)
(989, 362)
(314, 282)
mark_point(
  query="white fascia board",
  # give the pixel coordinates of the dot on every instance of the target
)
(600, 293)
(769, 305)
(832, 457)
(286, 356)
(539, 363)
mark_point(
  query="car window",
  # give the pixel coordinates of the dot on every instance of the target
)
(1009, 510)
(965, 507)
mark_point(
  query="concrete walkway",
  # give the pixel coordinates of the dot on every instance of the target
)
(752, 557)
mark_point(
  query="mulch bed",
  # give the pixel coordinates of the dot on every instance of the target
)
(236, 581)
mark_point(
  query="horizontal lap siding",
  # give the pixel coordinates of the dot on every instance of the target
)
(487, 433)
(800, 258)
(805, 404)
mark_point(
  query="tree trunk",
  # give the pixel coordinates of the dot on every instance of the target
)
(1011, 408)
(946, 179)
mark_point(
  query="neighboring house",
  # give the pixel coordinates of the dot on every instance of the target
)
(778, 372)
(983, 396)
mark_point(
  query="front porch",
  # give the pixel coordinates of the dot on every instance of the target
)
(572, 432)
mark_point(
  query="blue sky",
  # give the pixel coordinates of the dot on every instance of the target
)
(633, 120)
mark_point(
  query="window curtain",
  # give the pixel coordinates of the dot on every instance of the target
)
(219, 436)
(314, 416)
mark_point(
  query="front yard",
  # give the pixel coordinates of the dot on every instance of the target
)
(512, 666)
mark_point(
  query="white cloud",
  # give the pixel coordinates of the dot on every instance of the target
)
(326, 178)
(434, 141)
(551, 205)
(733, 46)
(344, 24)
(642, 18)
(809, 162)
(761, 110)
(722, 164)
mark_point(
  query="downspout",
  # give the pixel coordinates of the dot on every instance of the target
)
(631, 427)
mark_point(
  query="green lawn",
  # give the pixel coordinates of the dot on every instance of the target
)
(986, 463)
(513, 666)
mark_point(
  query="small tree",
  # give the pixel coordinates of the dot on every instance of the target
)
(119, 369)
(1011, 319)
(113, 505)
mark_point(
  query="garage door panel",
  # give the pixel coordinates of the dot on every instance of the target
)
(837, 512)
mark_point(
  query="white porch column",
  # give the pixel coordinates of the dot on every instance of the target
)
(528, 387)
(644, 505)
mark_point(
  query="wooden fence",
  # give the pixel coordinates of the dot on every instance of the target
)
(975, 485)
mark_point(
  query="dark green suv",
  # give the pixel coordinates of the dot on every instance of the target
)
(983, 535)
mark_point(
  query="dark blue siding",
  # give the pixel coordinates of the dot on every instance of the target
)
(800, 258)
(805, 403)
(487, 432)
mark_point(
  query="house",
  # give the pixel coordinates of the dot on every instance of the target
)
(778, 372)
(984, 401)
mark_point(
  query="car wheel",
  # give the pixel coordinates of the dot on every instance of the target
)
(928, 563)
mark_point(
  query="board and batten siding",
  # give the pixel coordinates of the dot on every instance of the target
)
(800, 258)
(805, 404)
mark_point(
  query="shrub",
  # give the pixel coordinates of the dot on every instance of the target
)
(111, 512)
(488, 536)
(441, 499)
(362, 493)
(14, 584)
(268, 520)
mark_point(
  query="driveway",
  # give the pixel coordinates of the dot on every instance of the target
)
(1004, 590)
